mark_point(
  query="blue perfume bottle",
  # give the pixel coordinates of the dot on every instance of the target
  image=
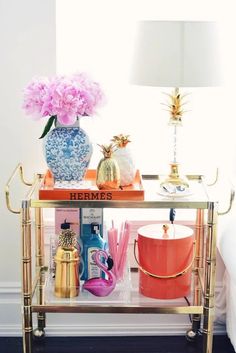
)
(91, 244)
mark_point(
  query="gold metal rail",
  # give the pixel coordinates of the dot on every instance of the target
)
(216, 178)
(37, 277)
(123, 309)
(19, 169)
(232, 195)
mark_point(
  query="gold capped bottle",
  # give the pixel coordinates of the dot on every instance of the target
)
(108, 171)
(67, 264)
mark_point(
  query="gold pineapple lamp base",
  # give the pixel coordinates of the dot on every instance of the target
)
(174, 182)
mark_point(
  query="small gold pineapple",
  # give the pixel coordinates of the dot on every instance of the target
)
(108, 172)
(121, 140)
(107, 150)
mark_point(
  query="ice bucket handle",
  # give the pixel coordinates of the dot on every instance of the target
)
(175, 275)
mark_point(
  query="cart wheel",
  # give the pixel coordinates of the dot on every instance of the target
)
(191, 335)
(39, 334)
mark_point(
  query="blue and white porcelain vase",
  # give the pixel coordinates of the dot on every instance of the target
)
(68, 151)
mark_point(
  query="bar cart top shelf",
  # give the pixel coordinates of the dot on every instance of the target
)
(198, 197)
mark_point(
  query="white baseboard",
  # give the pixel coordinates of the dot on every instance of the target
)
(10, 330)
(68, 330)
(144, 329)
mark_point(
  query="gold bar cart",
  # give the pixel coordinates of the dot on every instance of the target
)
(203, 296)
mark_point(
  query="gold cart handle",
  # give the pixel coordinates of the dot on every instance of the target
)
(216, 178)
(175, 275)
(232, 195)
(19, 169)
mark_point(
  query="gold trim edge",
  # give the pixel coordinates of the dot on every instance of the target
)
(117, 309)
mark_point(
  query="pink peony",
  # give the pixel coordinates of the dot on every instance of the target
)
(91, 94)
(64, 98)
(35, 95)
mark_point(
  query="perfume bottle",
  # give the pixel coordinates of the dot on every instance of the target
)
(67, 264)
(92, 244)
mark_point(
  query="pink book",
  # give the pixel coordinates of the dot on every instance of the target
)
(71, 215)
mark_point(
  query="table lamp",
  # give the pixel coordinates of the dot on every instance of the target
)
(176, 54)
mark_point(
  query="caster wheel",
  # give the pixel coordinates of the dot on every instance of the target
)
(191, 335)
(39, 334)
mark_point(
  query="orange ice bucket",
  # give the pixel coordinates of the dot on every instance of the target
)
(165, 260)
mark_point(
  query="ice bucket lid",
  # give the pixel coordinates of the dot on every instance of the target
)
(155, 231)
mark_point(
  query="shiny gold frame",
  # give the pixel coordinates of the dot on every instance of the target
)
(203, 267)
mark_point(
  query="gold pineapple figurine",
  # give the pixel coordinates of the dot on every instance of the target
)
(108, 172)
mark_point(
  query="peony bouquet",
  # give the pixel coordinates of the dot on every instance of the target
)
(62, 98)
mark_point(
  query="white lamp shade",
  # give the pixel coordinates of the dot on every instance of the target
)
(177, 54)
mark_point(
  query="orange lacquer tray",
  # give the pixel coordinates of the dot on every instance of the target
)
(48, 191)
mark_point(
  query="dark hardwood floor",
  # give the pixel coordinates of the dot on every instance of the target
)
(158, 344)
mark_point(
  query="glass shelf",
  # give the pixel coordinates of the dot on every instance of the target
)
(124, 299)
(198, 199)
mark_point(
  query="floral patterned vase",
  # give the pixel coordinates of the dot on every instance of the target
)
(68, 152)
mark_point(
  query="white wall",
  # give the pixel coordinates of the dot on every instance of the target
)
(97, 37)
(28, 48)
